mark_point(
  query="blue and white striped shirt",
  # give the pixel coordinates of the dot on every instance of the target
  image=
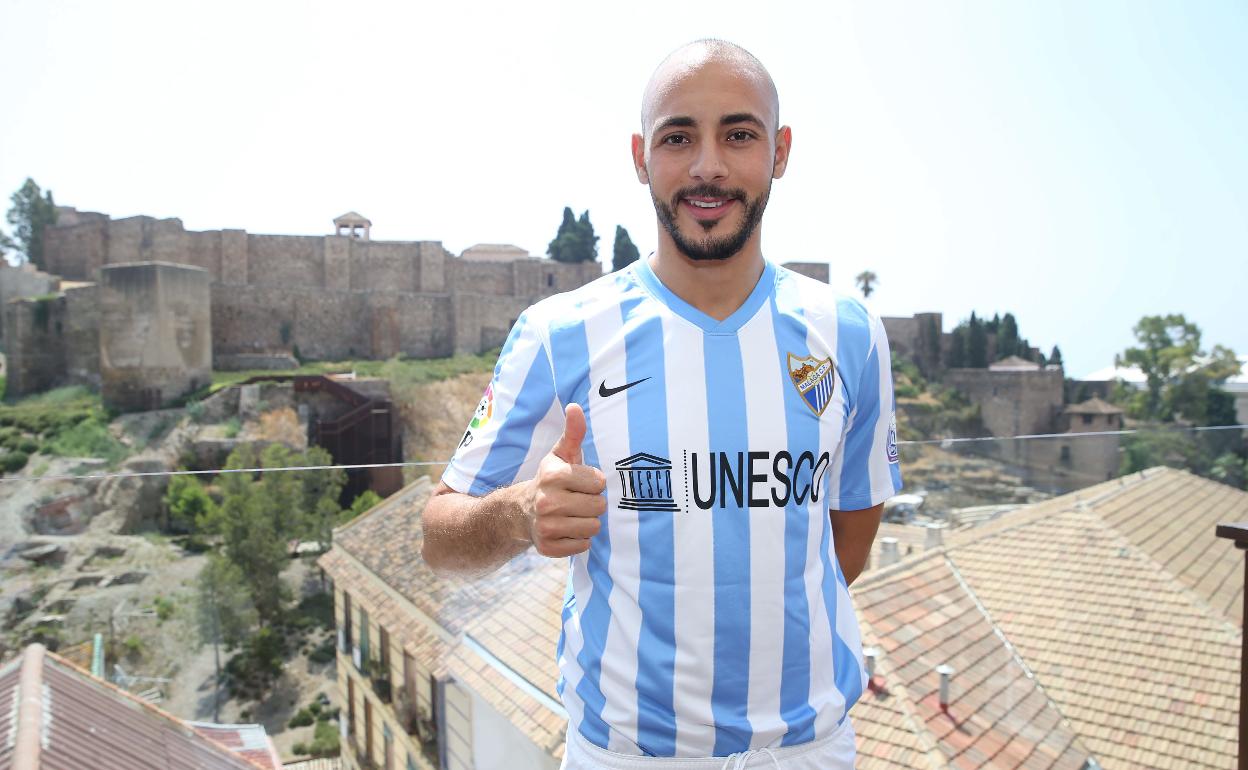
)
(709, 615)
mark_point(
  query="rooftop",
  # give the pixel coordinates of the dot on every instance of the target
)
(352, 219)
(1103, 623)
(62, 717)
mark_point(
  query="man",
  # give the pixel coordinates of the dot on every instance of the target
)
(710, 438)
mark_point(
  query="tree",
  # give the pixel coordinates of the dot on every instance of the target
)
(260, 514)
(624, 252)
(1230, 469)
(1178, 373)
(976, 343)
(957, 347)
(224, 615)
(866, 282)
(189, 506)
(32, 211)
(1056, 356)
(1007, 337)
(575, 241)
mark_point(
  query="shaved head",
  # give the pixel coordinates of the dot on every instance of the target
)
(690, 58)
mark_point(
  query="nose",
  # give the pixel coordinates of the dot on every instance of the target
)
(708, 163)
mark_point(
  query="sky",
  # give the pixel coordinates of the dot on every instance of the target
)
(1078, 164)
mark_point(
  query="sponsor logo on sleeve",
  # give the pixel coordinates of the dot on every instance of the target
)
(485, 409)
(892, 440)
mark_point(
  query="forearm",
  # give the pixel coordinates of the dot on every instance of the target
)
(853, 532)
(473, 536)
(853, 559)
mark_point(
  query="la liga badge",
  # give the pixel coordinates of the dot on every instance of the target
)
(814, 380)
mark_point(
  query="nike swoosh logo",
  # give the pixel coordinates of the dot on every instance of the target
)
(604, 391)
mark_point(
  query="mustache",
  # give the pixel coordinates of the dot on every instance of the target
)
(707, 190)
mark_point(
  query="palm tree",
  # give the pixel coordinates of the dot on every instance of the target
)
(865, 280)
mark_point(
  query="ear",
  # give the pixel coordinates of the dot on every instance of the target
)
(639, 159)
(784, 142)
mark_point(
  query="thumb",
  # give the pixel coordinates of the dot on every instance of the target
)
(568, 447)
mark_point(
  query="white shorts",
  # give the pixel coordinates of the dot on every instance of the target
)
(833, 752)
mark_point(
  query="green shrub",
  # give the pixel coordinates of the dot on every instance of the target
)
(233, 427)
(324, 741)
(88, 438)
(300, 749)
(324, 652)
(14, 461)
(195, 410)
(133, 647)
(164, 608)
(318, 609)
(302, 719)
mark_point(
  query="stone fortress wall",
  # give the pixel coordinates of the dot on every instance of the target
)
(327, 297)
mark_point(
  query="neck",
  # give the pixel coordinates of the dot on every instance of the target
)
(715, 287)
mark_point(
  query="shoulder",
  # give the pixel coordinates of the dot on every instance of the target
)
(560, 311)
(837, 316)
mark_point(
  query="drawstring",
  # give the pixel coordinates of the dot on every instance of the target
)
(740, 759)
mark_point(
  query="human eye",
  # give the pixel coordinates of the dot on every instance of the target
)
(675, 139)
(740, 135)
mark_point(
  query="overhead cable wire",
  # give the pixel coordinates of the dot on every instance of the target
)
(943, 442)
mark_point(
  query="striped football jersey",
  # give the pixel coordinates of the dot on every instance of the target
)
(709, 615)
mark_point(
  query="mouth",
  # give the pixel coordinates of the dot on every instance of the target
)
(705, 208)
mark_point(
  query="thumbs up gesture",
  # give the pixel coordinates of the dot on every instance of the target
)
(567, 494)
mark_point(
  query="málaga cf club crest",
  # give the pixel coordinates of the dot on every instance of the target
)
(814, 379)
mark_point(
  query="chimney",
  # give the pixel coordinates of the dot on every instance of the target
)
(935, 537)
(888, 551)
(946, 673)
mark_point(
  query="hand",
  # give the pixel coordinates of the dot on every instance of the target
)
(567, 495)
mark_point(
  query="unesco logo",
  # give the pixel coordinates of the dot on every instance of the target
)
(646, 483)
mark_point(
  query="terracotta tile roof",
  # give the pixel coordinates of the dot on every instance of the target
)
(85, 722)
(1144, 672)
(1171, 515)
(513, 616)
(923, 616)
(1108, 596)
(245, 740)
(1068, 638)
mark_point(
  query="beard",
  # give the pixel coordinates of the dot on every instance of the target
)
(709, 247)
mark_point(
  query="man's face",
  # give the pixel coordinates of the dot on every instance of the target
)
(709, 155)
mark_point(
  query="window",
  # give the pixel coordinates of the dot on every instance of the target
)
(346, 620)
(1087, 419)
(368, 729)
(1065, 455)
(383, 640)
(363, 637)
(350, 706)
(387, 757)
(550, 279)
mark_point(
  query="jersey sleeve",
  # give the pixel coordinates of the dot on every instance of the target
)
(511, 429)
(869, 462)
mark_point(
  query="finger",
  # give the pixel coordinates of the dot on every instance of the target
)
(568, 447)
(563, 527)
(567, 546)
(585, 479)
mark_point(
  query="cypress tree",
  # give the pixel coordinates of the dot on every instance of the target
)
(624, 252)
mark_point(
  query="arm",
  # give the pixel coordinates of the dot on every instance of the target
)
(853, 532)
(469, 535)
(557, 511)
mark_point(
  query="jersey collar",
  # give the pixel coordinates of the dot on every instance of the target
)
(730, 325)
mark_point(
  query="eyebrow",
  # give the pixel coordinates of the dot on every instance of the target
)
(684, 121)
